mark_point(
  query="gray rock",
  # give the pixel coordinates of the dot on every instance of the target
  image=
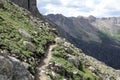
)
(26, 65)
(66, 44)
(25, 34)
(12, 69)
(56, 67)
(6, 69)
(58, 40)
(92, 69)
(74, 60)
(1, 4)
(29, 46)
(3, 52)
(54, 76)
(75, 72)
(20, 72)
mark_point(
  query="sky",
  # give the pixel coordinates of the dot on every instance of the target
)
(97, 8)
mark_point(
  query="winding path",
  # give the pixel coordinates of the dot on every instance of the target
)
(44, 63)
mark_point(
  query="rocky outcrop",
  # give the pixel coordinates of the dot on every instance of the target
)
(58, 68)
(29, 46)
(25, 34)
(30, 5)
(1, 4)
(6, 69)
(12, 69)
(19, 71)
(74, 60)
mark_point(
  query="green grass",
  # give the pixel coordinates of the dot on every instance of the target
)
(13, 18)
(59, 56)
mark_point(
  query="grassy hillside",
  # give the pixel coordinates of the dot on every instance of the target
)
(13, 19)
(27, 38)
(78, 66)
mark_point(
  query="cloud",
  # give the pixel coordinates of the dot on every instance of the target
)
(98, 8)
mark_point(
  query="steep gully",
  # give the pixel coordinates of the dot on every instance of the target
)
(41, 70)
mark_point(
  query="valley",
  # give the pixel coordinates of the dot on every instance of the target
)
(97, 37)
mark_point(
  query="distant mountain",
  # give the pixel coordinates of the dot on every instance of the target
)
(97, 37)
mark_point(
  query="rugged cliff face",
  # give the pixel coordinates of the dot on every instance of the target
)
(29, 5)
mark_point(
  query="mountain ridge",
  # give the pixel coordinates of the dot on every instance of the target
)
(97, 37)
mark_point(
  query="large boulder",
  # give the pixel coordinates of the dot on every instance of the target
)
(74, 60)
(19, 70)
(58, 68)
(6, 69)
(12, 69)
(25, 34)
(29, 46)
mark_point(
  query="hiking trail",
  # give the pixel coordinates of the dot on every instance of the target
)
(44, 63)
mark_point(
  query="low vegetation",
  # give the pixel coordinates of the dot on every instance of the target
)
(74, 71)
(12, 19)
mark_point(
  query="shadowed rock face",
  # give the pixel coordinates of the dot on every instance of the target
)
(12, 69)
(29, 5)
(23, 3)
(98, 38)
(1, 4)
(6, 67)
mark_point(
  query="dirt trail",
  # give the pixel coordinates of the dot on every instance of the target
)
(44, 63)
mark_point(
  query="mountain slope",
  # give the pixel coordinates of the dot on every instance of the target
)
(22, 35)
(26, 40)
(98, 38)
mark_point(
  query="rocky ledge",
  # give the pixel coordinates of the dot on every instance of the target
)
(13, 69)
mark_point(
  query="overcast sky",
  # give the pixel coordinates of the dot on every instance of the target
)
(98, 8)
